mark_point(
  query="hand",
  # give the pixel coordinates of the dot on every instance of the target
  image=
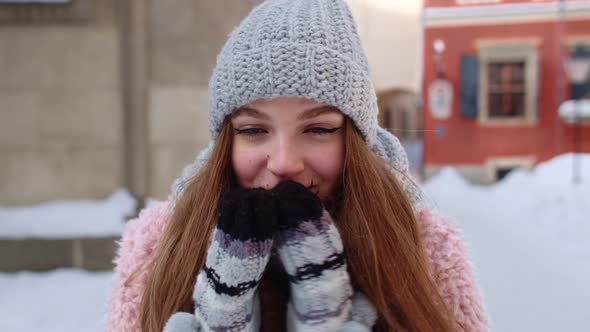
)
(224, 292)
(311, 250)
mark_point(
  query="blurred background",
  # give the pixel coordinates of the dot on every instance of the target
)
(102, 102)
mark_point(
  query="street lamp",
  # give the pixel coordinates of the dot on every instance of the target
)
(577, 68)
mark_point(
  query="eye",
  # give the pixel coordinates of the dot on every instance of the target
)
(250, 131)
(321, 131)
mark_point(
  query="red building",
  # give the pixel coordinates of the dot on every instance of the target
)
(494, 80)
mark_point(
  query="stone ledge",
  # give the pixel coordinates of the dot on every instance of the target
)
(93, 254)
(66, 11)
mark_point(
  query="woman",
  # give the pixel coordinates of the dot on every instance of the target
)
(300, 215)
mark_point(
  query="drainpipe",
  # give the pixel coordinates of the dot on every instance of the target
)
(134, 22)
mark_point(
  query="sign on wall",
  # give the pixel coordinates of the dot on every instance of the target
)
(440, 95)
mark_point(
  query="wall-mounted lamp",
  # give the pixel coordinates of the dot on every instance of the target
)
(439, 47)
(440, 90)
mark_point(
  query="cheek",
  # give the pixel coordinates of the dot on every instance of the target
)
(328, 163)
(328, 169)
(247, 165)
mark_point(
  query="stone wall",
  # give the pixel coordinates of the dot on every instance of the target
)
(187, 36)
(63, 93)
(60, 108)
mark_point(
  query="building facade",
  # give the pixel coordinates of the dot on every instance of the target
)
(97, 95)
(494, 80)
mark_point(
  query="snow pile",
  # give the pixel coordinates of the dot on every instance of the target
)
(528, 236)
(67, 219)
(64, 300)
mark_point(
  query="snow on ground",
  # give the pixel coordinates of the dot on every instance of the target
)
(67, 219)
(64, 300)
(529, 239)
(527, 236)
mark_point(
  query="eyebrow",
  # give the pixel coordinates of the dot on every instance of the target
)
(312, 113)
(307, 114)
(250, 112)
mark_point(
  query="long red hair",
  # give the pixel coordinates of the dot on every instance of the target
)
(379, 230)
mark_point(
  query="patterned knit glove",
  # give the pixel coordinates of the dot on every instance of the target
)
(225, 289)
(311, 251)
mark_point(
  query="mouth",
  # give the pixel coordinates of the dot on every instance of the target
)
(314, 189)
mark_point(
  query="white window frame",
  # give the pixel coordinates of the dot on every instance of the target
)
(493, 164)
(509, 51)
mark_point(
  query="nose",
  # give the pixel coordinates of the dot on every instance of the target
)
(285, 160)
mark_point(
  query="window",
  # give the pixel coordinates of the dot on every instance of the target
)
(506, 89)
(508, 80)
(399, 113)
(498, 167)
(502, 172)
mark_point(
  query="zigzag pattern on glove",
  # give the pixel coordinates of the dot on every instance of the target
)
(225, 290)
(312, 253)
(314, 260)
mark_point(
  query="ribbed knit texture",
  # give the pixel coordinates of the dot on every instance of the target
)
(225, 290)
(313, 256)
(309, 247)
(300, 48)
(303, 48)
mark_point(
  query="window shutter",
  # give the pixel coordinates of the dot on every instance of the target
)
(581, 90)
(469, 86)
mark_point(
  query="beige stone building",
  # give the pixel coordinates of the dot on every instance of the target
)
(97, 95)
(391, 32)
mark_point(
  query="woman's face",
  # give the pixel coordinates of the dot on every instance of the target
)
(288, 138)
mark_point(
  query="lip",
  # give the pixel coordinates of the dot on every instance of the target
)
(314, 189)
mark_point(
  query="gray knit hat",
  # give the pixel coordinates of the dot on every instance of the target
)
(306, 48)
(298, 48)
